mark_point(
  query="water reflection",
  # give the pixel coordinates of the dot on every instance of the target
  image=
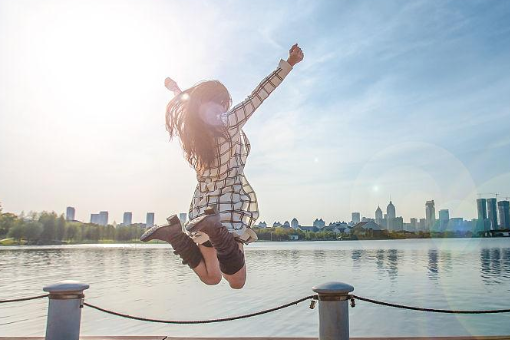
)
(494, 265)
(433, 269)
(393, 263)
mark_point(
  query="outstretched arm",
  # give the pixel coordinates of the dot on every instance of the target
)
(172, 86)
(240, 113)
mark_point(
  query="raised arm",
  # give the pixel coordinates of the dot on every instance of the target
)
(172, 86)
(240, 113)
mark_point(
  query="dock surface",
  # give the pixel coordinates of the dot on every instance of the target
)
(162, 337)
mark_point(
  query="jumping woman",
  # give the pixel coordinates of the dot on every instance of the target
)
(224, 205)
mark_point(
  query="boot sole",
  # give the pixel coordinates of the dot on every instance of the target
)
(171, 221)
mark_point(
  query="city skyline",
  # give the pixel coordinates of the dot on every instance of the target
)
(400, 98)
(502, 217)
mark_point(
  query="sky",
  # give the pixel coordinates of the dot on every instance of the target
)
(401, 99)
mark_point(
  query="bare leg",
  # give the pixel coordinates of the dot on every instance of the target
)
(209, 268)
(238, 279)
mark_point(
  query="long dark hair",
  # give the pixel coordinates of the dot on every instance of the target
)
(197, 137)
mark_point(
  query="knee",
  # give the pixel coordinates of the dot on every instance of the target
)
(237, 284)
(212, 280)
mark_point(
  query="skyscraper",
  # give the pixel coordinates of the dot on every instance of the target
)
(149, 221)
(390, 216)
(390, 211)
(294, 223)
(70, 213)
(492, 213)
(378, 215)
(128, 218)
(504, 214)
(430, 214)
(481, 204)
(103, 218)
(356, 218)
(444, 217)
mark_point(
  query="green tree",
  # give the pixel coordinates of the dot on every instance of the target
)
(32, 230)
(61, 228)
(49, 223)
(17, 231)
(7, 221)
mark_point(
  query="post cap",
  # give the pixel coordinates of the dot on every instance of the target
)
(66, 286)
(336, 288)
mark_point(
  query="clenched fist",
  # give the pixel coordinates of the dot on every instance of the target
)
(295, 55)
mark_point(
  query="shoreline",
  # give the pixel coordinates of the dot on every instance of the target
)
(110, 242)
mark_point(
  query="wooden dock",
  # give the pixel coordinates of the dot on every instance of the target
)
(162, 337)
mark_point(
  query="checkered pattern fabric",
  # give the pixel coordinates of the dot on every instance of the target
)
(224, 186)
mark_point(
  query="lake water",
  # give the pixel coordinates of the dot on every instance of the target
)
(148, 280)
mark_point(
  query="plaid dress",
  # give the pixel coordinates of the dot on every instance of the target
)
(224, 186)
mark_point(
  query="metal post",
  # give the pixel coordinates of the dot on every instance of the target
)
(333, 310)
(64, 310)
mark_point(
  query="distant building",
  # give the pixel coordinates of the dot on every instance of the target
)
(398, 223)
(294, 223)
(390, 216)
(183, 217)
(277, 224)
(149, 220)
(481, 205)
(378, 215)
(482, 224)
(414, 224)
(308, 228)
(390, 211)
(103, 218)
(504, 214)
(333, 228)
(492, 213)
(384, 223)
(70, 212)
(286, 224)
(337, 227)
(456, 224)
(262, 224)
(423, 224)
(128, 218)
(371, 229)
(444, 217)
(356, 217)
(430, 215)
(94, 218)
(319, 223)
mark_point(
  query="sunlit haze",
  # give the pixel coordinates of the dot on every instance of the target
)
(407, 99)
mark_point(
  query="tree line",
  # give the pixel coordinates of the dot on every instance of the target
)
(286, 234)
(50, 228)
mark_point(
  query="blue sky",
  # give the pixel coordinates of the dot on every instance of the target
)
(401, 98)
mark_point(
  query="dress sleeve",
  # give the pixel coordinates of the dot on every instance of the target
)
(239, 114)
